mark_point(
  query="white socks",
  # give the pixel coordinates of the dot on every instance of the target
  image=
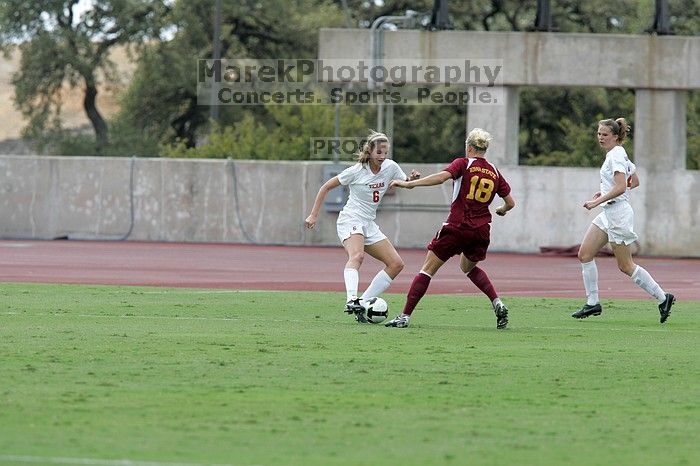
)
(590, 281)
(379, 284)
(642, 278)
(352, 278)
(496, 302)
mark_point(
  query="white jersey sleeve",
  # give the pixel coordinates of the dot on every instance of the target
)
(350, 174)
(618, 160)
(398, 173)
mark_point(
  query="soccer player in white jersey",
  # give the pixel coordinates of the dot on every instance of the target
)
(368, 181)
(615, 224)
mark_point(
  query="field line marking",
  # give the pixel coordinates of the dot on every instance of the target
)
(621, 329)
(93, 461)
(185, 291)
(108, 316)
(154, 317)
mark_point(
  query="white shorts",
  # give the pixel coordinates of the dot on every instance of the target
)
(617, 220)
(349, 226)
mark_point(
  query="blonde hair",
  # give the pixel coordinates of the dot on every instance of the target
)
(373, 140)
(479, 139)
(619, 128)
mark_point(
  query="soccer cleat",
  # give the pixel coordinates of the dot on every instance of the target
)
(361, 317)
(665, 307)
(400, 321)
(501, 316)
(354, 307)
(588, 310)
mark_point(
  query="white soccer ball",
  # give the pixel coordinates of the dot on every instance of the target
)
(377, 310)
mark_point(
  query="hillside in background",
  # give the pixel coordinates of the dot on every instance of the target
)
(73, 115)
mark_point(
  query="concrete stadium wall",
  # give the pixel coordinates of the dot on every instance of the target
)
(266, 202)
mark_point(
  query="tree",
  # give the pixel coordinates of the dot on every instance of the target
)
(162, 98)
(60, 47)
(288, 135)
(557, 125)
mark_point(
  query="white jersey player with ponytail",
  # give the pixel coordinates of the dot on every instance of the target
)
(615, 224)
(368, 181)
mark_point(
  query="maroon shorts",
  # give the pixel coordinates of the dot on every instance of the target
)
(451, 240)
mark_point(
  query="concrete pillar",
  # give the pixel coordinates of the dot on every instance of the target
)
(501, 120)
(660, 129)
(659, 151)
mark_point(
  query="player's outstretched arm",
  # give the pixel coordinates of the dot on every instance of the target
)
(310, 221)
(431, 180)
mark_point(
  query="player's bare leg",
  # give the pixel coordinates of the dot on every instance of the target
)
(593, 241)
(384, 252)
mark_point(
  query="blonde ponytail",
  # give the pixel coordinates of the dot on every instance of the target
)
(479, 139)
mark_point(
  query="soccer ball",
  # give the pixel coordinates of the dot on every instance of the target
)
(377, 310)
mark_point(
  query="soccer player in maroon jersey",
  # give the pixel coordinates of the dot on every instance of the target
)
(467, 230)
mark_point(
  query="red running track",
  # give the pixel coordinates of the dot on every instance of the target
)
(234, 266)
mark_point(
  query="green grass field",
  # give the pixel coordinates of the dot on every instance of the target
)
(153, 376)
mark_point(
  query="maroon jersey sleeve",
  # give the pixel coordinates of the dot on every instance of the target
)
(503, 186)
(456, 168)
